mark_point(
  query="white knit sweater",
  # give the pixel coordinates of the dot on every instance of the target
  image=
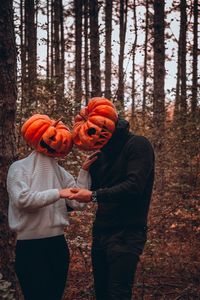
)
(35, 208)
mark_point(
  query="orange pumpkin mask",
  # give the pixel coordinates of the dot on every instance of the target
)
(50, 137)
(94, 124)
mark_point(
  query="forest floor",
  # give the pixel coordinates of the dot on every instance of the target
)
(169, 268)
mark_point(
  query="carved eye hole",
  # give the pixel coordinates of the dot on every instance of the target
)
(52, 138)
(91, 131)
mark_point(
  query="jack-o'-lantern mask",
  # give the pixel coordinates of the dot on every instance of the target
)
(94, 124)
(48, 136)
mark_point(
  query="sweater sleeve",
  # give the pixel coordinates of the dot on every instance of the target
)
(23, 197)
(84, 179)
(140, 163)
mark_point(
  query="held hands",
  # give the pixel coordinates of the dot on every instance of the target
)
(81, 195)
(65, 193)
(89, 160)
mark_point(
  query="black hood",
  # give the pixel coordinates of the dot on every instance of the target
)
(119, 136)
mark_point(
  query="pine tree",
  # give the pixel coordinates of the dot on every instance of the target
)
(122, 38)
(78, 53)
(108, 49)
(194, 61)
(30, 46)
(86, 50)
(94, 49)
(158, 93)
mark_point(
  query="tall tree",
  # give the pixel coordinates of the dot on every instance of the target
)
(180, 113)
(94, 49)
(62, 48)
(108, 50)
(8, 97)
(86, 56)
(183, 31)
(194, 62)
(57, 48)
(133, 59)
(56, 7)
(159, 67)
(177, 96)
(78, 7)
(122, 39)
(52, 40)
(145, 58)
(23, 55)
(183, 167)
(30, 42)
(48, 42)
(158, 86)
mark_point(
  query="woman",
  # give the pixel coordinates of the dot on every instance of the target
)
(38, 188)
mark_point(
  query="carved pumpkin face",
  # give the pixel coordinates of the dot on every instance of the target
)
(50, 137)
(94, 124)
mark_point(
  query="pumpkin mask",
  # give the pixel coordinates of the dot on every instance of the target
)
(94, 125)
(50, 137)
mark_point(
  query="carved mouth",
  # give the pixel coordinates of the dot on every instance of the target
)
(49, 149)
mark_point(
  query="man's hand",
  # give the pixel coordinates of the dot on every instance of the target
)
(89, 160)
(65, 193)
(81, 195)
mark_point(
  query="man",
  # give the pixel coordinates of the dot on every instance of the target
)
(122, 182)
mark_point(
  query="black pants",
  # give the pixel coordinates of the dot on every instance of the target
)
(114, 258)
(41, 266)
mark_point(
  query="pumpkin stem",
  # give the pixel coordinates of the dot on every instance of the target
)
(56, 122)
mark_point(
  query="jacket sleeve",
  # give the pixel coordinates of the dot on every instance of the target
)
(23, 197)
(140, 163)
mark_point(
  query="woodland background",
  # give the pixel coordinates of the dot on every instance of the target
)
(54, 56)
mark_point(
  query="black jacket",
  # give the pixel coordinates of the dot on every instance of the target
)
(123, 177)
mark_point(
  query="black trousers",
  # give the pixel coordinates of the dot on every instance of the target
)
(114, 257)
(41, 266)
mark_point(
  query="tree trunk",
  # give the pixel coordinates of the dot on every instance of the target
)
(183, 30)
(122, 38)
(94, 49)
(78, 53)
(159, 94)
(86, 56)
(8, 97)
(133, 60)
(177, 97)
(159, 68)
(145, 60)
(23, 55)
(62, 51)
(58, 51)
(108, 50)
(52, 41)
(31, 49)
(48, 43)
(194, 62)
(56, 40)
(183, 158)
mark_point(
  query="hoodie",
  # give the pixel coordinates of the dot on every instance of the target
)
(123, 177)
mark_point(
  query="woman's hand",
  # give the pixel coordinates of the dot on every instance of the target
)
(65, 193)
(89, 160)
